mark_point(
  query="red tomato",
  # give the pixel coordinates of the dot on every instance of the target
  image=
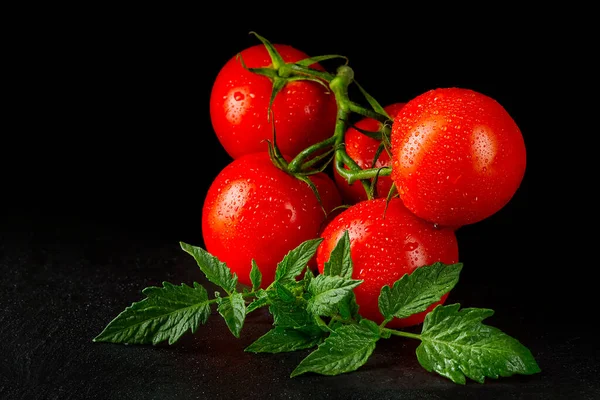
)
(362, 149)
(457, 156)
(254, 210)
(384, 248)
(304, 111)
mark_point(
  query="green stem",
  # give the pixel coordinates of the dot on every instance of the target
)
(339, 85)
(248, 294)
(386, 129)
(347, 321)
(365, 174)
(342, 159)
(322, 323)
(402, 333)
(358, 109)
(296, 164)
(382, 327)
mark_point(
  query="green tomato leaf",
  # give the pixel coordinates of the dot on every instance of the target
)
(345, 350)
(456, 345)
(215, 271)
(284, 293)
(296, 260)
(414, 292)
(348, 308)
(261, 300)
(327, 292)
(233, 311)
(255, 276)
(340, 261)
(372, 326)
(280, 340)
(290, 315)
(308, 276)
(165, 314)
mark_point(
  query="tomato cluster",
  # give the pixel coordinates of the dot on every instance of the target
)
(308, 162)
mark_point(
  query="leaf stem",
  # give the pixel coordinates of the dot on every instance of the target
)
(402, 333)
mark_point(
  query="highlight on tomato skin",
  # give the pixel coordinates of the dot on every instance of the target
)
(458, 157)
(385, 244)
(304, 112)
(254, 210)
(363, 149)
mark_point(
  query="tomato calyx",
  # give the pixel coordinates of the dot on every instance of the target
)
(282, 73)
(299, 171)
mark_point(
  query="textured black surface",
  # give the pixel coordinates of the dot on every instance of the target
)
(63, 280)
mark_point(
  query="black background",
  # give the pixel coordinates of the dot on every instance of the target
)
(108, 151)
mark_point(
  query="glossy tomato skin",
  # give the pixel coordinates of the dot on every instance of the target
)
(457, 156)
(362, 149)
(304, 111)
(384, 247)
(253, 210)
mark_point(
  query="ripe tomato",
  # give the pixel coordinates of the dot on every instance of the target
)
(457, 156)
(362, 149)
(384, 248)
(254, 210)
(304, 111)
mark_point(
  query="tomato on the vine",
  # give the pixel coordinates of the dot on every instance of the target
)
(457, 156)
(303, 112)
(363, 149)
(254, 210)
(385, 244)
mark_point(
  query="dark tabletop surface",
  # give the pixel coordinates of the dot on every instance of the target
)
(93, 208)
(64, 278)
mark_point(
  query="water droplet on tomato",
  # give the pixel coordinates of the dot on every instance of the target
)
(239, 96)
(410, 246)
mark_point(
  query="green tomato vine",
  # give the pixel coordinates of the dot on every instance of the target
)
(318, 156)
